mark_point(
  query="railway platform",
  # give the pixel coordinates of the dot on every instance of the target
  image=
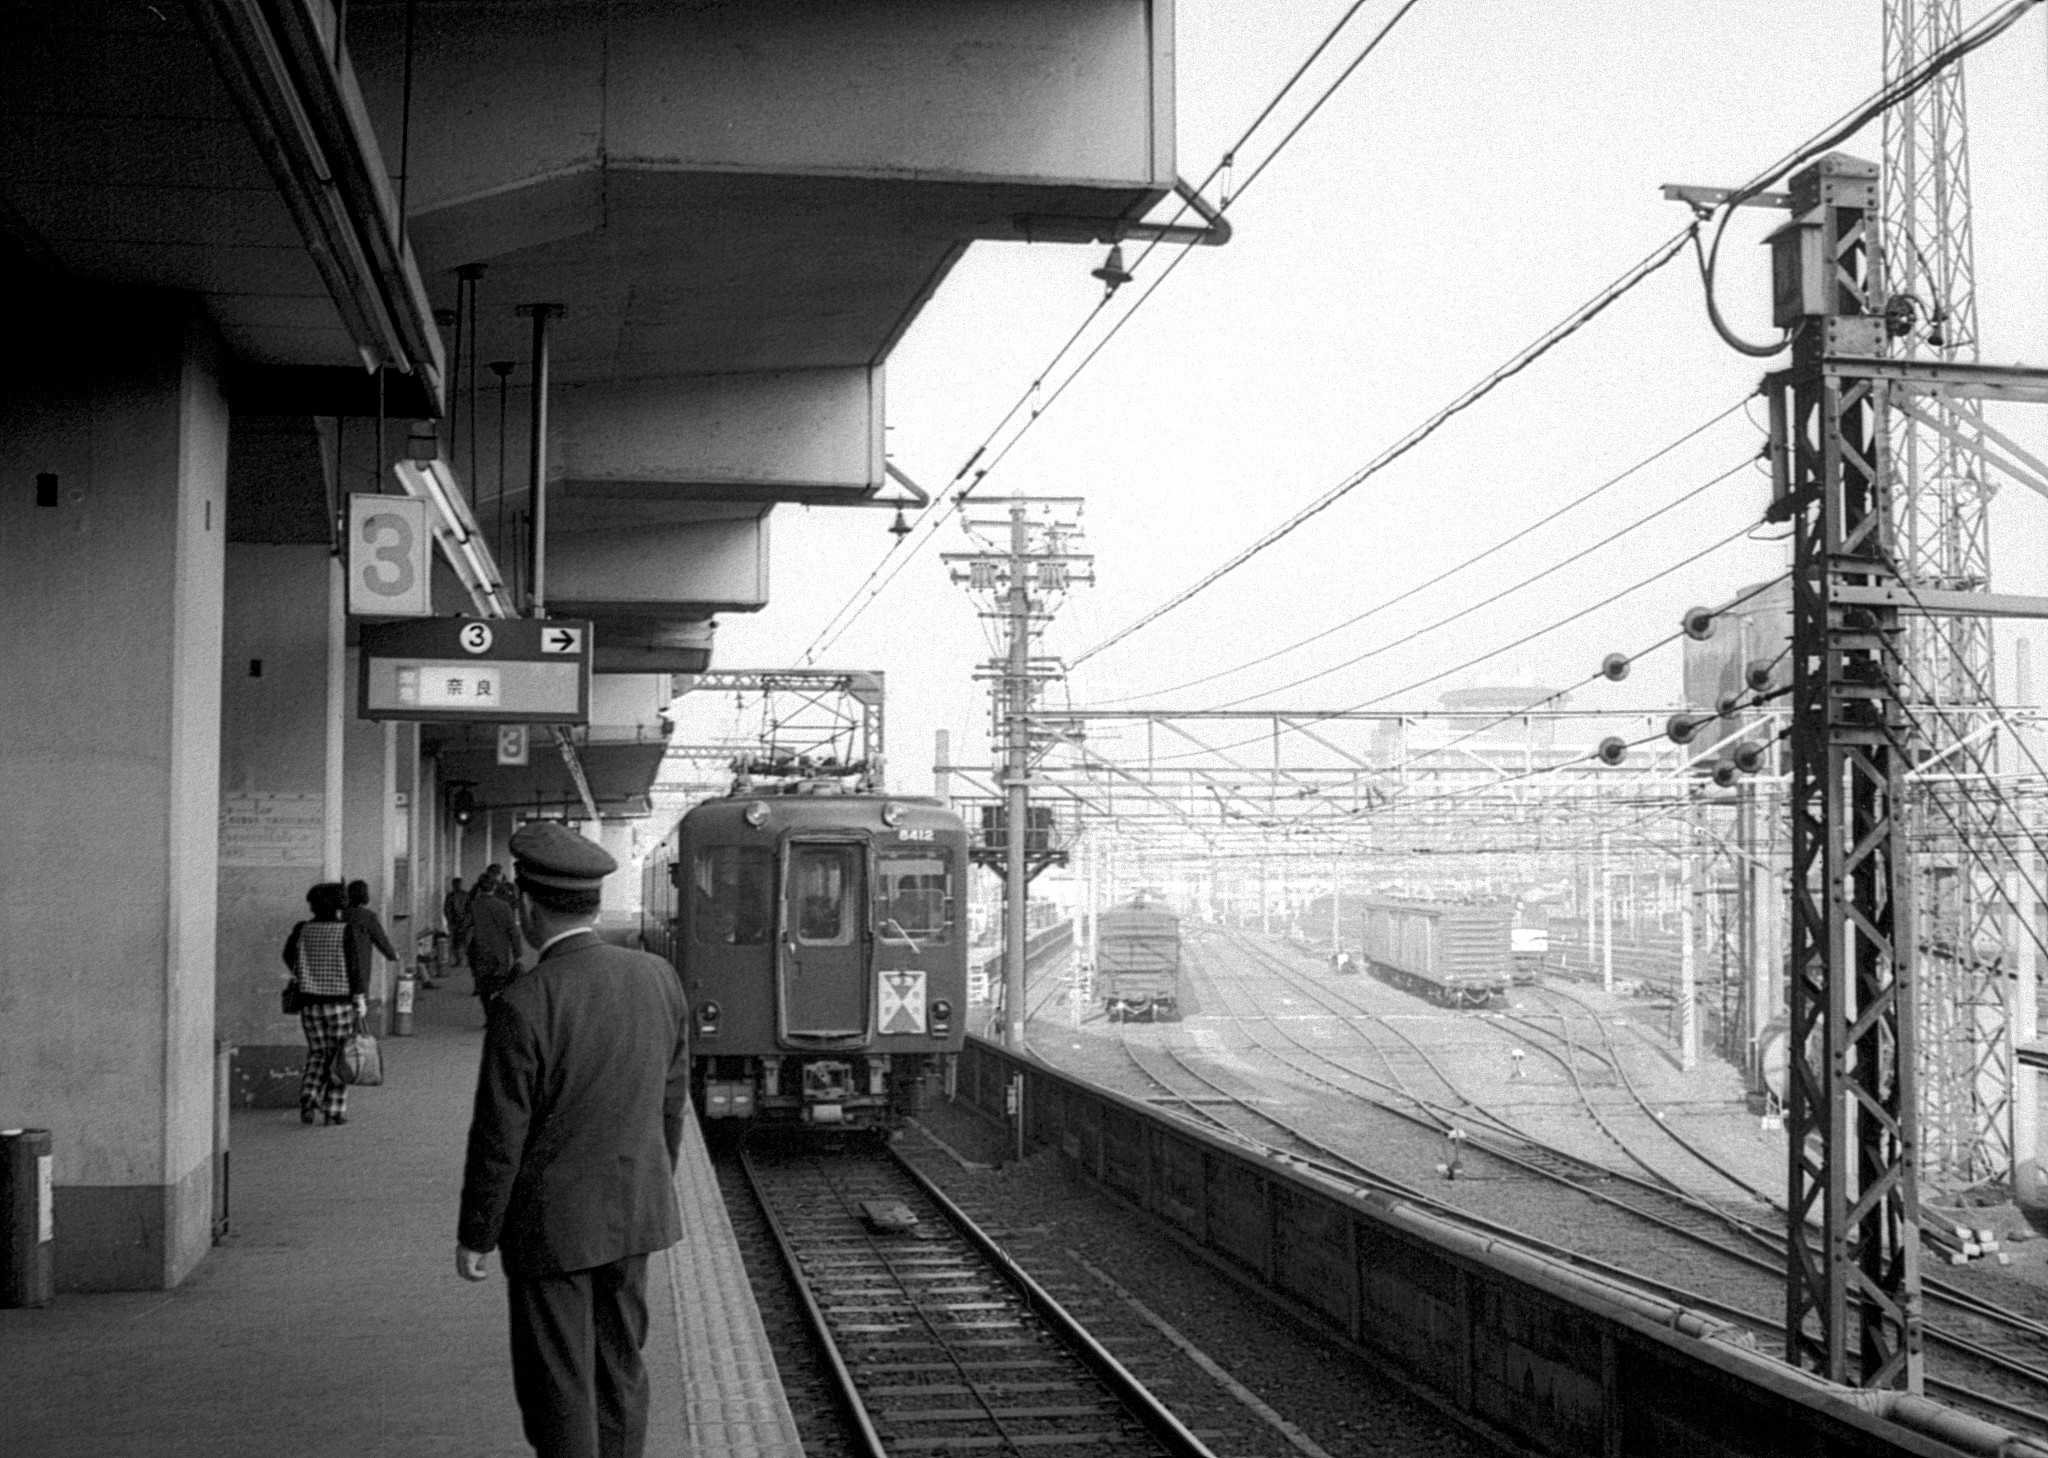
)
(329, 1319)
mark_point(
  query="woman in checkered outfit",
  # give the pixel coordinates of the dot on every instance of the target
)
(333, 994)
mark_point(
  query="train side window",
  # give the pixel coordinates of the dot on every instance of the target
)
(732, 896)
(822, 879)
(916, 895)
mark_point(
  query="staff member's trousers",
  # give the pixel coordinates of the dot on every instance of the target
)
(576, 1366)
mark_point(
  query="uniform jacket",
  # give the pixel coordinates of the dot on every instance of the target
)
(494, 931)
(579, 1112)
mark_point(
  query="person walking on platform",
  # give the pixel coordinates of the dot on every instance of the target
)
(332, 994)
(365, 931)
(580, 1100)
(455, 916)
(493, 937)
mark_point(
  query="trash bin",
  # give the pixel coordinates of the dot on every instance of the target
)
(28, 1268)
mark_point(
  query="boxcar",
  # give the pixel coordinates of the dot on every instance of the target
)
(818, 938)
(1137, 962)
(1456, 954)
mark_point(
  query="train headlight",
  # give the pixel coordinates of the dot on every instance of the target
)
(941, 1016)
(892, 815)
(755, 814)
(707, 1020)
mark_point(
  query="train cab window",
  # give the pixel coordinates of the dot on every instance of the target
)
(822, 880)
(732, 896)
(916, 896)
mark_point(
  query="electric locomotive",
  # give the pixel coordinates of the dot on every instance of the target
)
(818, 938)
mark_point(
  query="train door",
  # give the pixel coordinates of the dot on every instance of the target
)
(823, 966)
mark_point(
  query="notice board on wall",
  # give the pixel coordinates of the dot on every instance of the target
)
(272, 828)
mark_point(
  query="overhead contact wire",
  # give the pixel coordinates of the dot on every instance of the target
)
(1657, 258)
(1449, 572)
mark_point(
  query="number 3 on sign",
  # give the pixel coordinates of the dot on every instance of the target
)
(389, 563)
(512, 744)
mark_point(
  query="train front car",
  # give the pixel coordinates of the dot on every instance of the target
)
(817, 939)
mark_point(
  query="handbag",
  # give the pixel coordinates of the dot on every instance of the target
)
(359, 1061)
(291, 998)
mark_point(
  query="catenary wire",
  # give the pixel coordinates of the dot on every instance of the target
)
(1520, 361)
(1885, 98)
(1522, 641)
(1491, 599)
(1472, 561)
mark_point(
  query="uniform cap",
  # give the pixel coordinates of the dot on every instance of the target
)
(548, 853)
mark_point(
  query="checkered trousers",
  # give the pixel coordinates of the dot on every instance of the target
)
(327, 1025)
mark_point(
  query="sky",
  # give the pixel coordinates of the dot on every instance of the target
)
(1489, 169)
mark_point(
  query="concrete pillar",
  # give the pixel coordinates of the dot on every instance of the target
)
(112, 522)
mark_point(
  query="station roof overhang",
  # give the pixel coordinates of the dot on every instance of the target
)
(742, 209)
(219, 149)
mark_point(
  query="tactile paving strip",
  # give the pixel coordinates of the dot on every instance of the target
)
(733, 1398)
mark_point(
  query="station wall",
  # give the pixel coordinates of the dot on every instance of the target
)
(274, 807)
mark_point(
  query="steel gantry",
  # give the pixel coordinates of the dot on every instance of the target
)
(1852, 1301)
(1861, 715)
(1941, 498)
(827, 721)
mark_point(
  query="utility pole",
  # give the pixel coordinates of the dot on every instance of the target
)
(1688, 976)
(1606, 915)
(1016, 783)
(1023, 568)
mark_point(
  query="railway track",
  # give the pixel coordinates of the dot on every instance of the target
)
(939, 1341)
(1982, 1337)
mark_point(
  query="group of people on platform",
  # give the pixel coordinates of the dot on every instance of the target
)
(582, 1088)
(483, 929)
(328, 957)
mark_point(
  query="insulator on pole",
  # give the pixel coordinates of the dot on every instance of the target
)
(1614, 667)
(1727, 704)
(1759, 677)
(1698, 623)
(1613, 749)
(1725, 774)
(1748, 758)
(1680, 728)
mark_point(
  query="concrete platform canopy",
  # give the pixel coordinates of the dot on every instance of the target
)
(266, 248)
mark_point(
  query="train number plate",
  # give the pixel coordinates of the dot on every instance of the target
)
(902, 1002)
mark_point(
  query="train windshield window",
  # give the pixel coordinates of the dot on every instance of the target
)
(916, 895)
(733, 896)
(822, 879)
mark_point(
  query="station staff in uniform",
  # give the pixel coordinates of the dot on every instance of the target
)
(572, 1146)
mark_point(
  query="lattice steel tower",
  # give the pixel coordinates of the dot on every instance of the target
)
(1940, 496)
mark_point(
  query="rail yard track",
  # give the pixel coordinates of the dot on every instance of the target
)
(939, 1340)
(1980, 1343)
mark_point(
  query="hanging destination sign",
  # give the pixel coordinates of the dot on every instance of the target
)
(526, 670)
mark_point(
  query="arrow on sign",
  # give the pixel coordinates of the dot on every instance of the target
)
(561, 640)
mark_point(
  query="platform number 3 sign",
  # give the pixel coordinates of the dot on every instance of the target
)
(390, 557)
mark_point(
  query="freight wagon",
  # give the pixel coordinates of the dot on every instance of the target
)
(1137, 962)
(1452, 953)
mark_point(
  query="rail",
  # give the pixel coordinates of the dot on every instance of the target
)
(1524, 1347)
(937, 1339)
